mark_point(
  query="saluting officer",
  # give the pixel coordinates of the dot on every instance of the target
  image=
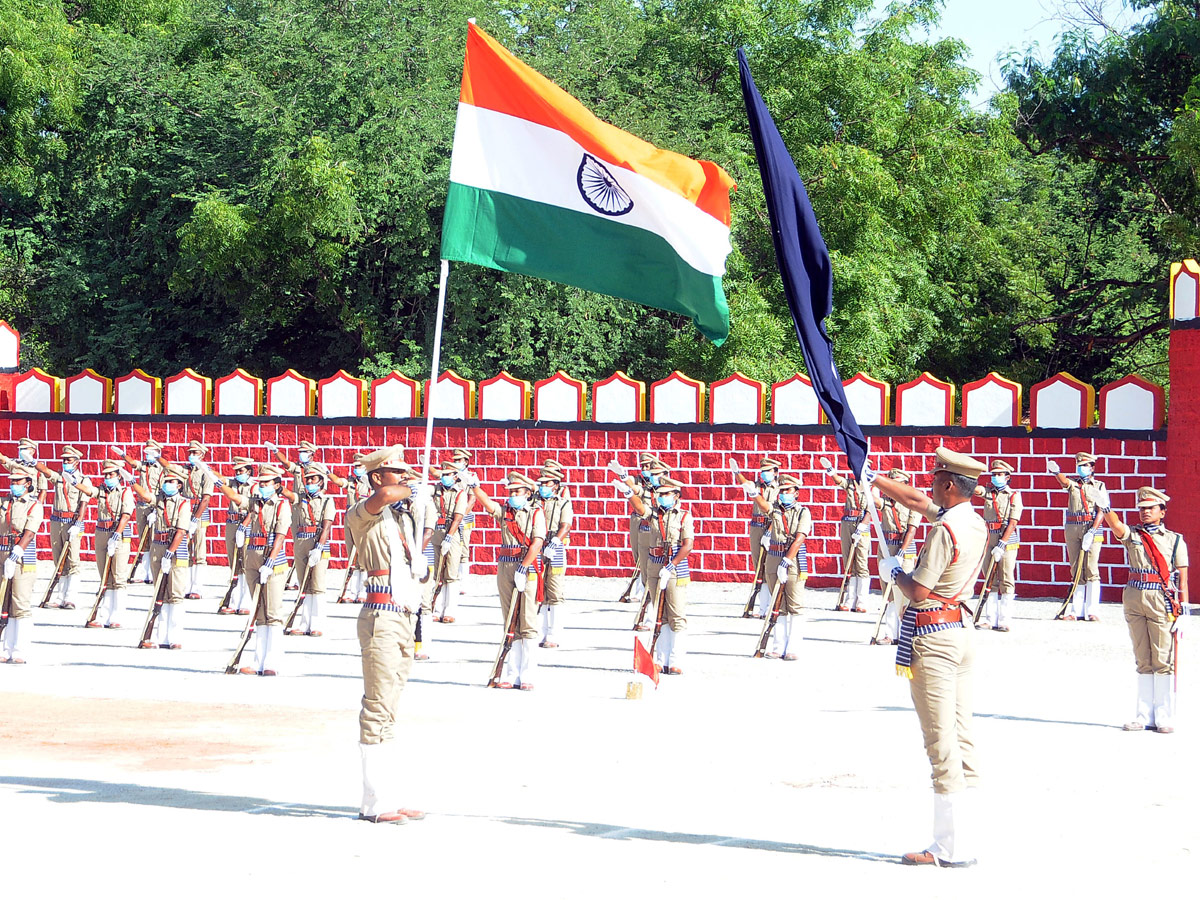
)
(149, 471)
(899, 531)
(266, 568)
(518, 564)
(357, 489)
(1084, 533)
(1154, 599)
(652, 470)
(27, 455)
(462, 460)
(171, 518)
(201, 485)
(1001, 511)
(386, 527)
(789, 525)
(672, 533)
(114, 531)
(856, 539)
(238, 491)
(70, 493)
(311, 546)
(935, 648)
(20, 519)
(766, 487)
(555, 499)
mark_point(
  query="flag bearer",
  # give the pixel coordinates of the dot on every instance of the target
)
(387, 536)
(856, 539)
(1001, 511)
(518, 565)
(20, 519)
(765, 486)
(555, 500)
(672, 533)
(1154, 600)
(149, 470)
(311, 546)
(70, 493)
(171, 519)
(899, 531)
(789, 525)
(201, 485)
(114, 530)
(935, 648)
(1084, 534)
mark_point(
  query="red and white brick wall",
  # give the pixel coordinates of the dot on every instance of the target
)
(698, 455)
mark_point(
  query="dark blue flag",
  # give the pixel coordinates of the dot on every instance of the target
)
(804, 266)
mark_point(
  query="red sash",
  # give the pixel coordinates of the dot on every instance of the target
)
(1163, 573)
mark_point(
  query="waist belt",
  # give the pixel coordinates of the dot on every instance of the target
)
(893, 537)
(995, 526)
(515, 555)
(938, 619)
(644, 527)
(164, 537)
(305, 534)
(759, 520)
(61, 517)
(1078, 518)
(1138, 584)
(778, 549)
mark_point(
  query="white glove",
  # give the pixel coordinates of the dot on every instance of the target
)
(751, 489)
(1103, 500)
(998, 552)
(733, 466)
(617, 469)
(314, 556)
(785, 568)
(868, 474)
(622, 489)
(420, 567)
(1089, 538)
(10, 567)
(126, 476)
(165, 565)
(765, 541)
(151, 518)
(530, 583)
(469, 478)
(75, 531)
(114, 544)
(195, 526)
(1052, 467)
(239, 538)
(888, 567)
(265, 573)
(665, 574)
(445, 548)
(72, 477)
(864, 527)
(271, 447)
(825, 464)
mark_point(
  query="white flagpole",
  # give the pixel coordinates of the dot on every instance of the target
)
(433, 377)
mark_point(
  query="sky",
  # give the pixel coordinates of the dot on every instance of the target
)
(990, 28)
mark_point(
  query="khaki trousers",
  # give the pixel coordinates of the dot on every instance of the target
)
(58, 539)
(555, 581)
(527, 619)
(1146, 616)
(793, 588)
(1004, 580)
(270, 596)
(200, 545)
(1091, 566)
(20, 589)
(118, 572)
(454, 556)
(177, 579)
(385, 637)
(857, 563)
(231, 553)
(942, 693)
(676, 612)
(316, 582)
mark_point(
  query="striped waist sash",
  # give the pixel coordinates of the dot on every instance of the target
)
(28, 559)
(779, 550)
(660, 556)
(510, 554)
(61, 517)
(910, 629)
(1078, 519)
(758, 520)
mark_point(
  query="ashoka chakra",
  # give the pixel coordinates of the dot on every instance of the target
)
(600, 189)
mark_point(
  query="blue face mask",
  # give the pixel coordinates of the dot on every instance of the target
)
(359, 471)
(194, 459)
(151, 456)
(448, 481)
(545, 491)
(313, 489)
(170, 488)
(305, 456)
(242, 477)
(68, 467)
(999, 482)
(666, 501)
(110, 482)
(266, 491)
(767, 477)
(516, 502)
(654, 480)
(17, 490)
(1083, 471)
(787, 499)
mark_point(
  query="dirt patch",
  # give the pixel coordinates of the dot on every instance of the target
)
(156, 735)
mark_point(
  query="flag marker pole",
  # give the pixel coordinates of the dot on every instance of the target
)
(883, 546)
(433, 377)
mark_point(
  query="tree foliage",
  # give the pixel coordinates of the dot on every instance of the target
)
(213, 183)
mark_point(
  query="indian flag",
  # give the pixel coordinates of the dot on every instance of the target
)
(540, 186)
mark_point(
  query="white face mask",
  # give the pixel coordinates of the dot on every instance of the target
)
(305, 456)
(26, 454)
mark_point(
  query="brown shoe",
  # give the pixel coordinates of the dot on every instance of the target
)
(1093, 618)
(392, 818)
(789, 657)
(147, 645)
(66, 604)
(113, 625)
(191, 596)
(448, 620)
(674, 670)
(16, 661)
(549, 645)
(859, 609)
(1001, 628)
(421, 656)
(525, 686)
(843, 608)
(414, 815)
(1165, 729)
(772, 656)
(1069, 618)
(243, 612)
(983, 626)
(247, 670)
(885, 641)
(173, 646)
(314, 633)
(925, 858)
(226, 611)
(92, 624)
(504, 685)
(268, 672)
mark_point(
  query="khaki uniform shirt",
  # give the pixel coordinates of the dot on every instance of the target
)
(172, 512)
(314, 513)
(769, 492)
(237, 509)
(270, 518)
(201, 483)
(670, 527)
(951, 555)
(1001, 507)
(896, 520)
(385, 543)
(446, 504)
(789, 522)
(529, 521)
(41, 485)
(150, 475)
(357, 489)
(67, 493)
(17, 517)
(1141, 567)
(1082, 499)
(111, 505)
(558, 512)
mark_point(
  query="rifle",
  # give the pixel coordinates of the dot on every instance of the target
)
(1062, 610)
(887, 594)
(62, 557)
(627, 594)
(255, 595)
(439, 582)
(760, 575)
(846, 568)
(770, 619)
(152, 613)
(659, 619)
(141, 548)
(349, 571)
(100, 592)
(238, 554)
(647, 599)
(987, 584)
(287, 626)
(509, 636)
(5, 603)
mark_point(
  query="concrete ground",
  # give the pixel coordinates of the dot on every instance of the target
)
(151, 772)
